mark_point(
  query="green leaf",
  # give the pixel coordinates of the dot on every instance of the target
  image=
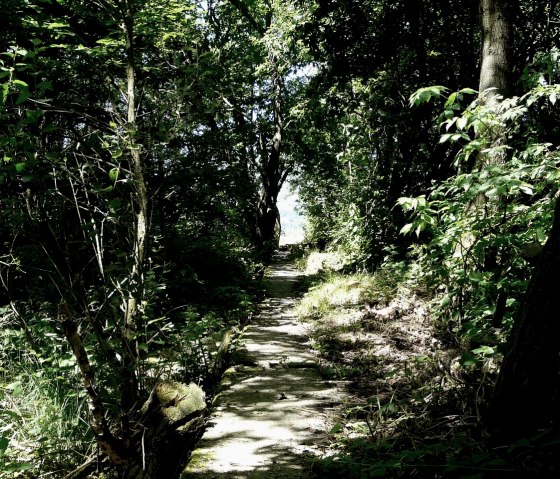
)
(423, 95)
(484, 350)
(24, 95)
(115, 204)
(20, 84)
(4, 441)
(451, 100)
(336, 428)
(114, 173)
(461, 123)
(55, 25)
(5, 90)
(445, 301)
(467, 360)
(406, 229)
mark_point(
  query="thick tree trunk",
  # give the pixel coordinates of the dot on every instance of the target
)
(273, 171)
(527, 393)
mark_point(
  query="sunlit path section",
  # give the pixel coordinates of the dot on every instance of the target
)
(292, 222)
(270, 420)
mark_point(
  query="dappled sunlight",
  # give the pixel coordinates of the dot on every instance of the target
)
(271, 418)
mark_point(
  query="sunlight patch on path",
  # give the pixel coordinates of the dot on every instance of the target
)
(271, 419)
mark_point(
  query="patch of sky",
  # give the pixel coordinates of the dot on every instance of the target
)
(292, 221)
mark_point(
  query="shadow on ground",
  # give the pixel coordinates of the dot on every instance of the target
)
(270, 419)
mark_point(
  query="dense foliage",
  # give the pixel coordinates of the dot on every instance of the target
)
(129, 206)
(143, 146)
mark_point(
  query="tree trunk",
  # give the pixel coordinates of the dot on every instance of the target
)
(526, 397)
(273, 172)
(113, 447)
(495, 66)
(171, 423)
(129, 393)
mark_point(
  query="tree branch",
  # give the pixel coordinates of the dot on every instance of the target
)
(112, 446)
(245, 12)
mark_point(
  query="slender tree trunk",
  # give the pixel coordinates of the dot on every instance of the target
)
(113, 447)
(139, 234)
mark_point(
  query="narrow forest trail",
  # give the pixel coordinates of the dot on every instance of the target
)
(270, 420)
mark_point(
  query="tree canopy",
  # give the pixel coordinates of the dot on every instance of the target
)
(143, 147)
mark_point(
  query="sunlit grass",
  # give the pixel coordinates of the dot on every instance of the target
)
(43, 413)
(338, 290)
(335, 292)
(44, 422)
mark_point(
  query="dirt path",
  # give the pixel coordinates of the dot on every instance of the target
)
(271, 418)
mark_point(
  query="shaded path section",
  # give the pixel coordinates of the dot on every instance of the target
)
(270, 419)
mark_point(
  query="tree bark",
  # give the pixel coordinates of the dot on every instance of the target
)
(495, 66)
(526, 397)
(273, 173)
(131, 306)
(112, 446)
(171, 423)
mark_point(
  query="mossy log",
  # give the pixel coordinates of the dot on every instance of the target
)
(171, 423)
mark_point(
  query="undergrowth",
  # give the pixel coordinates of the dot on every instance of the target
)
(44, 418)
(43, 411)
(415, 399)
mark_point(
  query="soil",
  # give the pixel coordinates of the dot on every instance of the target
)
(271, 419)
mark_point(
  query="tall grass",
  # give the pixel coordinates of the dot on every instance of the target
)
(43, 414)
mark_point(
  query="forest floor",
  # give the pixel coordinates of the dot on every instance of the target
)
(345, 375)
(272, 416)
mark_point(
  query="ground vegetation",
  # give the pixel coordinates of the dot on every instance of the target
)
(143, 146)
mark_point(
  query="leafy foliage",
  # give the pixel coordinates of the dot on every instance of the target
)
(69, 214)
(181, 121)
(478, 254)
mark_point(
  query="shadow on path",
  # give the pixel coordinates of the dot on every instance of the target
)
(270, 419)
